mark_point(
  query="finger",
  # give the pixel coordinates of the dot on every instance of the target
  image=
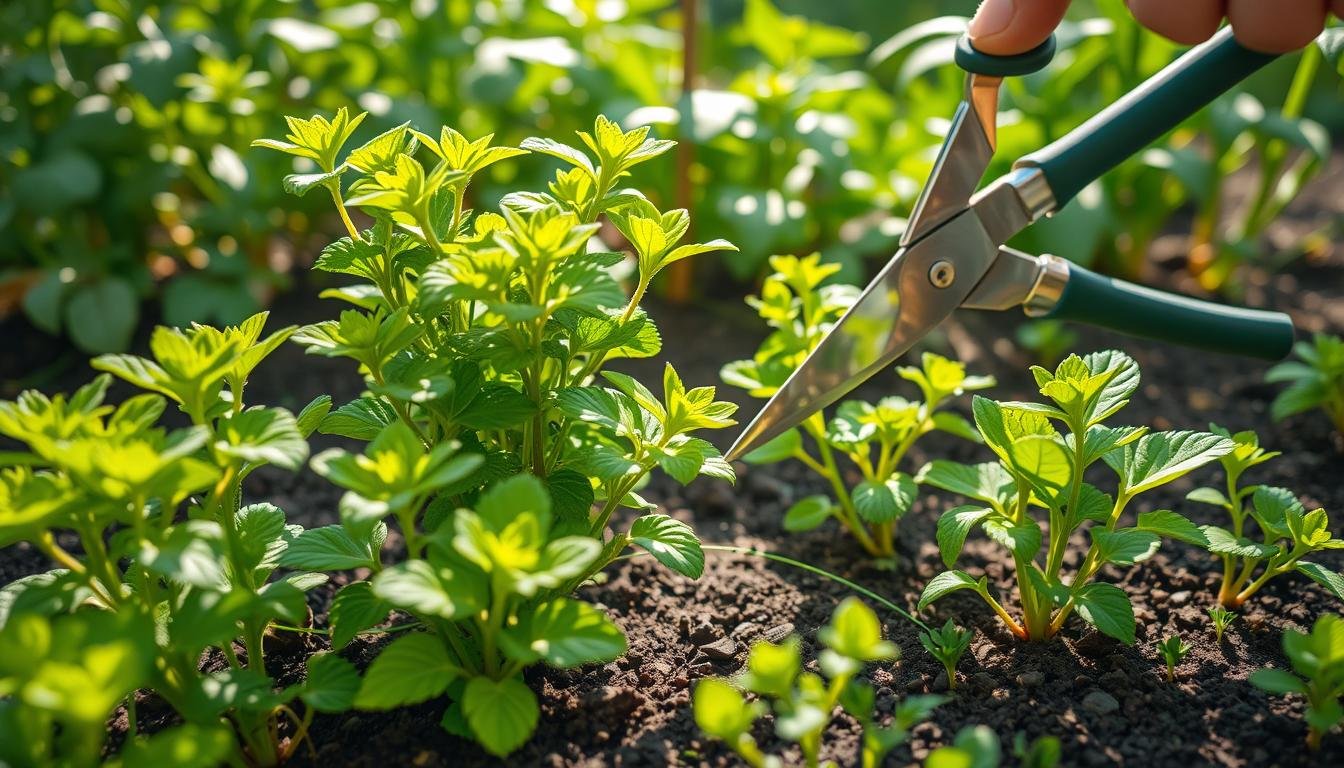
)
(1006, 27)
(1277, 27)
(1188, 22)
(1337, 8)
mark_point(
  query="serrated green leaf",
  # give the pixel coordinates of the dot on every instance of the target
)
(1107, 607)
(671, 542)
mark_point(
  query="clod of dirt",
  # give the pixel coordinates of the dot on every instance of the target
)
(723, 648)
(1100, 703)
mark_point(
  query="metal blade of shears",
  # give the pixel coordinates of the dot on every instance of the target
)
(944, 253)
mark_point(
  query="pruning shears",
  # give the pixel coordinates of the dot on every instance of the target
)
(952, 253)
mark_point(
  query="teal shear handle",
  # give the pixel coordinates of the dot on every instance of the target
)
(1155, 107)
(1138, 311)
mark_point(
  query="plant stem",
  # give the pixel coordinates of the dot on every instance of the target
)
(345, 215)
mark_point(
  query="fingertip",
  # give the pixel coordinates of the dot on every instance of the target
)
(1008, 27)
(1187, 23)
(1276, 27)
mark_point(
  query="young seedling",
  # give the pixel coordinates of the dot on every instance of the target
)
(947, 645)
(977, 746)
(1288, 532)
(496, 442)
(1041, 470)
(1318, 660)
(1173, 649)
(1315, 380)
(803, 703)
(875, 437)
(171, 563)
(1222, 619)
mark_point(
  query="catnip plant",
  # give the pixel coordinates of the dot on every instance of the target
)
(496, 441)
(170, 563)
(796, 301)
(802, 702)
(1041, 469)
(1318, 674)
(1288, 532)
(1315, 380)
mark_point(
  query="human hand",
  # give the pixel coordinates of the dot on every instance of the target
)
(1005, 27)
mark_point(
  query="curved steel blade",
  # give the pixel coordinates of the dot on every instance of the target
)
(898, 308)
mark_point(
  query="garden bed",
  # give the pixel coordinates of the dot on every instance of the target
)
(1108, 703)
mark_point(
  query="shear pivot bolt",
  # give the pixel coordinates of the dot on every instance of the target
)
(942, 273)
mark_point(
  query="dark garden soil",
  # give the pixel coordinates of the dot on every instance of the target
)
(1108, 703)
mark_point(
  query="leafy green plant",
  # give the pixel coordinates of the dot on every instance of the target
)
(800, 306)
(1318, 661)
(1042, 468)
(1315, 380)
(1173, 650)
(803, 703)
(173, 564)
(479, 338)
(1221, 618)
(1288, 531)
(947, 645)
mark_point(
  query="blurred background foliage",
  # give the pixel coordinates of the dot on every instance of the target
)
(125, 176)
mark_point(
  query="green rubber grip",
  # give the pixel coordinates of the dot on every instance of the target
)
(1155, 107)
(1138, 311)
(975, 62)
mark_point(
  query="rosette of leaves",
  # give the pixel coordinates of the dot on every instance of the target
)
(874, 437)
(803, 703)
(1315, 380)
(173, 564)
(1288, 532)
(480, 339)
(1040, 474)
(1317, 659)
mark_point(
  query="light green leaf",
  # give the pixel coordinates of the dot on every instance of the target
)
(413, 668)
(856, 633)
(566, 633)
(988, 482)
(1160, 457)
(355, 609)
(329, 548)
(1023, 540)
(808, 513)
(885, 502)
(1208, 496)
(1277, 681)
(501, 713)
(1107, 607)
(1164, 522)
(417, 586)
(953, 527)
(1327, 578)
(263, 436)
(1223, 542)
(332, 683)
(671, 542)
(946, 583)
(721, 711)
(786, 446)
(1125, 546)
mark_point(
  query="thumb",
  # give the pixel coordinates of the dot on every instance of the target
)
(1006, 27)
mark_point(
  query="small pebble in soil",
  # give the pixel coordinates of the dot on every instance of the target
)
(1180, 598)
(1030, 679)
(1100, 703)
(723, 648)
